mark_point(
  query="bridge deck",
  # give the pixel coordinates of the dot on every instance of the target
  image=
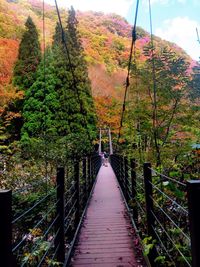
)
(105, 237)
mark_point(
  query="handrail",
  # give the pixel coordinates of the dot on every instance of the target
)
(148, 198)
(45, 229)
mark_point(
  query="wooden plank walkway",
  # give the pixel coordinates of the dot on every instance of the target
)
(105, 237)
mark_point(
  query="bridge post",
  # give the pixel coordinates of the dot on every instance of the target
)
(6, 228)
(133, 190)
(77, 186)
(120, 171)
(60, 208)
(92, 171)
(89, 174)
(124, 174)
(110, 141)
(85, 180)
(99, 164)
(149, 208)
(126, 179)
(115, 160)
(193, 194)
(100, 150)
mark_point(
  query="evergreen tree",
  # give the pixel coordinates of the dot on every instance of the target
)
(59, 106)
(195, 83)
(66, 97)
(41, 103)
(76, 115)
(57, 38)
(29, 57)
(24, 76)
(83, 86)
(73, 33)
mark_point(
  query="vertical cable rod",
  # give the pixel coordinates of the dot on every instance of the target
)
(74, 81)
(155, 124)
(198, 39)
(44, 76)
(134, 37)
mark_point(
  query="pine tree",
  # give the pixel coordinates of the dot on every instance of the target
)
(66, 97)
(76, 116)
(82, 87)
(41, 103)
(73, 33)
(58, 107)
(29, 57)
(195, 83)
(57, 38)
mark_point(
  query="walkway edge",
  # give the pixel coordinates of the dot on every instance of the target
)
(133, 223)
(70, 251)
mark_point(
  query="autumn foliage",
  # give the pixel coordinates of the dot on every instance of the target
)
(8, 56)
(106, 40)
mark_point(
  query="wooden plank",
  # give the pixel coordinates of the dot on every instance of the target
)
(105, 265)
(105, 238)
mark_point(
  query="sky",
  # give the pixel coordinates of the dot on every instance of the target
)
(173, 20)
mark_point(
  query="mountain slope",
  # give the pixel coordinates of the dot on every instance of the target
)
(106, 40)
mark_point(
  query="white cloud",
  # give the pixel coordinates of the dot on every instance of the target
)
(182, 31)
(182, 1)
(120, 7)
(165, 2)
(160, 2)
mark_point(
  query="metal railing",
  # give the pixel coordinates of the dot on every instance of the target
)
(165, 212)
(43, 233)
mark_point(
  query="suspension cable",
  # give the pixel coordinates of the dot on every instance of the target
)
(44, 76)
(134, 37)
(138, 128)
(153, 57)
(72, 71)
(154, 79)
(198, 39)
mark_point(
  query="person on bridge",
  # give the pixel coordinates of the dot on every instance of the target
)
(106, 156)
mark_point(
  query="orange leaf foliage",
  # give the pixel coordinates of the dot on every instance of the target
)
(8, 56)
(108, 112)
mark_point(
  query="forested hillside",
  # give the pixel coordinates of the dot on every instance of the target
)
(62, 80)
(106, 40)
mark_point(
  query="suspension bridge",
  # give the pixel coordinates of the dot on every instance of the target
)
(118, 214)
(98, 214)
